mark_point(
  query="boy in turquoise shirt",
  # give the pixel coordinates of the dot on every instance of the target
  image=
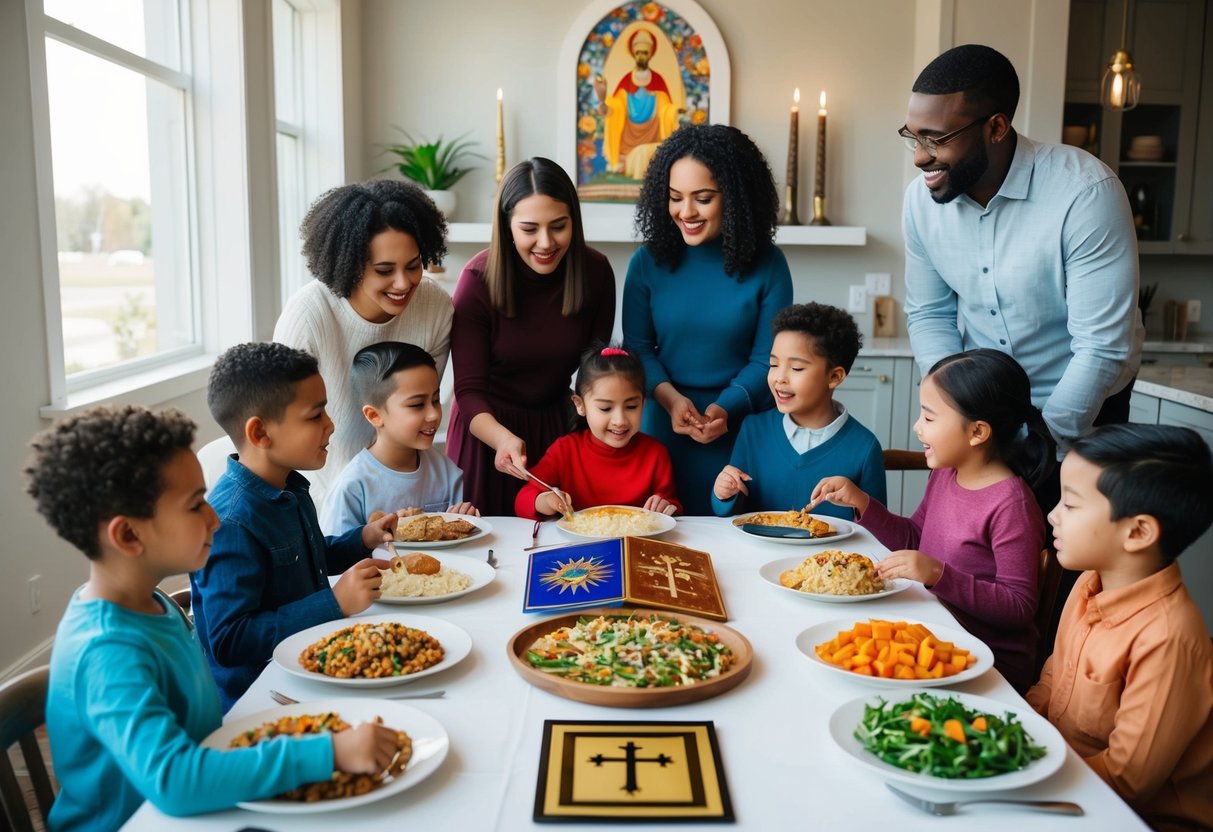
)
(782, 454)
(130, 697)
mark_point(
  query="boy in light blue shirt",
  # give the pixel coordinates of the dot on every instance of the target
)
(397, 384)
(130, 696)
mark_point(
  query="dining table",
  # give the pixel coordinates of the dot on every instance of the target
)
(782, 768)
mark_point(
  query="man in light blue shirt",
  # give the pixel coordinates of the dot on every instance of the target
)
(1018, 246)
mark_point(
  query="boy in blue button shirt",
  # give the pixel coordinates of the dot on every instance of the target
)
(130, 697)
(267, 576)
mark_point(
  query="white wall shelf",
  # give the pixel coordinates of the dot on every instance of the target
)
(621, 230)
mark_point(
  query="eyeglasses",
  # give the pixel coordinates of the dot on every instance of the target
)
(932, 145)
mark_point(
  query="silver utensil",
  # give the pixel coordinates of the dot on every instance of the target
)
(535, 535)
(1059, 807)
(283, 699)
(492, 559)
(568, 515)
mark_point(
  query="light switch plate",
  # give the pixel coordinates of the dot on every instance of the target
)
(858, 300)
(877, 284)
(1193, 311)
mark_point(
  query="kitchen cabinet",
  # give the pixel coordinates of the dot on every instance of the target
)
(1143, 409)
(1171, 42)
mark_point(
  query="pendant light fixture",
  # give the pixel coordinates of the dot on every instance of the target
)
(1120, 87)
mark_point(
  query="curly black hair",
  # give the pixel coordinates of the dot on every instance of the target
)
(100, 463)
(1165, 471)
(831, 330)
(338, 228)
(751, 204)
(984, 75)
(255, 379)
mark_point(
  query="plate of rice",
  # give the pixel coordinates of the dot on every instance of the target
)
(605, 522)
(832, 576)
(824, 529)
(457, 575)
(373, 651)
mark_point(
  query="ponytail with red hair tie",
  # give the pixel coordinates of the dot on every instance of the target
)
(609, 351)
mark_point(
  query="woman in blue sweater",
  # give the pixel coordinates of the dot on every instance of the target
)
(700, 296)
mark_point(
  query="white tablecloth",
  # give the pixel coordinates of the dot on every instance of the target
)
(782, 768)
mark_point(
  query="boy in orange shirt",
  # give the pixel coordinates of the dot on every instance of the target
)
(1130, 681)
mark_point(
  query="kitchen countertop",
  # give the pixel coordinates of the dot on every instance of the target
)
(1191, 386)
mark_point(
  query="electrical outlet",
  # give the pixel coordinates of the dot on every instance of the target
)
(858, 300)
(878, 284)
(35, 593)
(1193, 311)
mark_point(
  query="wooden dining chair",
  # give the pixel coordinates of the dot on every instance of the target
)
(898, 459)
(22, 711)
(1048, 581)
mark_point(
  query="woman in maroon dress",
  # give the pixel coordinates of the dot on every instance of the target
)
(525, 310)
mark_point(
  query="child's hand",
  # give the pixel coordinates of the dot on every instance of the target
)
(715, 425)
(684, 417)
(912, 564)
(729, 482)
(511, 457)
(660, 505)
(367, 749)
(554, 502)
(379, 531)
(841, 492)
(358, 587)
(464, 508)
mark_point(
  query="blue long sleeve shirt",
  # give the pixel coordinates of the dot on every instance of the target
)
(130, 698)
(1047, 272)
(784, 479)
(367, 485)
(267, 575)
(697, 327)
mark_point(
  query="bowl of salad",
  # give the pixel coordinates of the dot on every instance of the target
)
(631, 658)
(948, 740)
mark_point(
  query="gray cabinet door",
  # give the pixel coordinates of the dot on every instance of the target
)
(1197, 562)
(1143, 409)
(867, 394)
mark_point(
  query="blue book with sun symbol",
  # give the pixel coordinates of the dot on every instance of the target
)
(631, 570)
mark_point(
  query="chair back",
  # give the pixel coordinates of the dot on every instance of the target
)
(22, 711)
(183, 598)
(1048, 581)
(213, 458)
(897, 459)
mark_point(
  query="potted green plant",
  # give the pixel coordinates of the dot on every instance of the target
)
(434, 165)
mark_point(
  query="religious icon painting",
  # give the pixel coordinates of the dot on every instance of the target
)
(640, 571)
(640, 772)
(642, 72)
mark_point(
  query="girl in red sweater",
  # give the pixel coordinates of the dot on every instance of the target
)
(609, 461)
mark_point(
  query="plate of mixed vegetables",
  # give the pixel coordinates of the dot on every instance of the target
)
(631, 658)
(949, 740)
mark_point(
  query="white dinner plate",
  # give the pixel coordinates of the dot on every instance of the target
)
(430, 744)
(770, 573)
(483, 527)
(665, 521)
(845, 529)
(808, 640)
(456, 644)
(847, 717)
(475, 568)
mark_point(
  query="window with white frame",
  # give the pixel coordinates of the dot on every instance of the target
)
(307, 104)
(118, 108)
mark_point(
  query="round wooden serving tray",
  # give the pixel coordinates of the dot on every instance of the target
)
(631, 697)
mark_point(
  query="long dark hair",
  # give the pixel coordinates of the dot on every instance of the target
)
(989, 386)
(534, 176)
(750, 201)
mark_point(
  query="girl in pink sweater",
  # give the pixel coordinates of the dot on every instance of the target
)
(609, 462)
(975, 539)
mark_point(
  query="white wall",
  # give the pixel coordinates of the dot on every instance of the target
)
(434, 68)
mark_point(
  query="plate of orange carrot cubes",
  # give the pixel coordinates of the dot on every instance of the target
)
(896, 654)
